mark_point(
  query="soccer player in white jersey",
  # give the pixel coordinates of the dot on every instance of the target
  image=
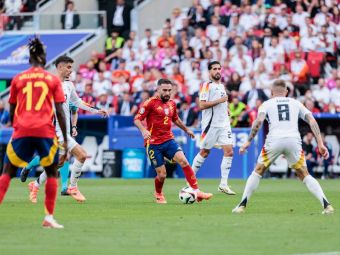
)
(284, 138)
(215, 124)
(64, 69)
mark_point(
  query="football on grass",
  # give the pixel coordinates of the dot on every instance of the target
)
(187, 195)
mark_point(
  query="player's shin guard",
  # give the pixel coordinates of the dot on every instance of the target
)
(190, 177)
(5, 180)
(64, 172)
(158, 185)
(197, 163)
(51, 188)
(314, 187)
(225, 169)
(251, 185)
(75, 173)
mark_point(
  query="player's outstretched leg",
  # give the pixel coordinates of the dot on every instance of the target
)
(190, 176)
(51, 189)
(73, 187)
(34, 187)
(64, 172)
(26, 170)
(199, 160)
(314, 187)
(251, 185)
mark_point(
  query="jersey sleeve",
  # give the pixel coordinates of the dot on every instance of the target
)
(303, 111)
(13, 92)
(204, 91)
(262, 109)
(144, 110)
(58, 93)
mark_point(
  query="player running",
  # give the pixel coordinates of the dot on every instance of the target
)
(160, 111)
(32, 95)
(64, 69)
(64, 170)
(284, 138)
(215, 123)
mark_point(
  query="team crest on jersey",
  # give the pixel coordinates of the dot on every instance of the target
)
(166, 111)
(142, 110)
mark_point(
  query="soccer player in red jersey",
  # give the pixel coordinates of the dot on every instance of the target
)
(32, 96)
(160, 112)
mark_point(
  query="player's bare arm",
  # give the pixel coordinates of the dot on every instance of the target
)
(74, 120)
(146, 134)
(206, 105)
(316, 131)
(253, 132)
(179, 123)
(62, 123)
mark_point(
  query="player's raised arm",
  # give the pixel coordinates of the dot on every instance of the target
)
(254, 130)
(316, 131)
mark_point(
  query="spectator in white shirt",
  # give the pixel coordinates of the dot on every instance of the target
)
(322, 94)
(309, 42)
(177, 20)
(149, 38)
(13, 7)
(335, 93)
(299, 16)
(248, 19)
(288, 43)
(212, 29)
(242, 63)
(102, 85)
(263, 59)
(275, 51)
(71, 19)
(320, 18)
(238, 44)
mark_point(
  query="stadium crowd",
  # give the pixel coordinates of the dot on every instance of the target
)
(256, 43)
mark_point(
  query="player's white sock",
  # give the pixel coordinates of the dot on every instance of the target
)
(197, 163)
(41, 179)
(314, 187)
(225, 170)
(75, 173)
(251, 185)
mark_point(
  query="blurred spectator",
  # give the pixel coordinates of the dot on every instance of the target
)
(254, 94)
(88, 71)
(335, 94)
(177, 20)
(121, 18)
(87, 97)
(126, 106)
(71, 19)
(13, 9)
(189, 115)
(149, 39)
(331, 81)
(102, 85)
(322, 94)
(4, 116)
(103, 103)
(310, 105)
(113, 42)
(121, 86)
(234, 83)
(310, 153)
(300, 71)
(236, 109)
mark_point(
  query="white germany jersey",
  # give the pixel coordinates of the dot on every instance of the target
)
(216, 116)
(70, 97)
(283, 114)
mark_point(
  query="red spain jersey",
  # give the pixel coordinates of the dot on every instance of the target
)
(159, 117)
(34, 92)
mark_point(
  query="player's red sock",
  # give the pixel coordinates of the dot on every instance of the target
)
(51, 188)
(4, 184)
(190, 176)
(158, 185)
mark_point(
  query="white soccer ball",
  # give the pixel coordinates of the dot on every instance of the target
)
(187, 195)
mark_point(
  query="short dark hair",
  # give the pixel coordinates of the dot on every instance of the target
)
(63, 59)
(210, 65)
(164, 81)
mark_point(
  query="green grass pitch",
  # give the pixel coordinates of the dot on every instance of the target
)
(120, 217)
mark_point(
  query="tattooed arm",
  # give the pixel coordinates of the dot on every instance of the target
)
(316, 131)
(253, 132)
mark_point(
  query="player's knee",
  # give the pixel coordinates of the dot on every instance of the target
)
(82, 157)
(161, 176)
(183, 162)
(229, 153)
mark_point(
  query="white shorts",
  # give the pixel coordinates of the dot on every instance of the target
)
(71, 143)
(216, 136)
(289, 147)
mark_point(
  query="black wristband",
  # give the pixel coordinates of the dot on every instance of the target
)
(74, 127)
